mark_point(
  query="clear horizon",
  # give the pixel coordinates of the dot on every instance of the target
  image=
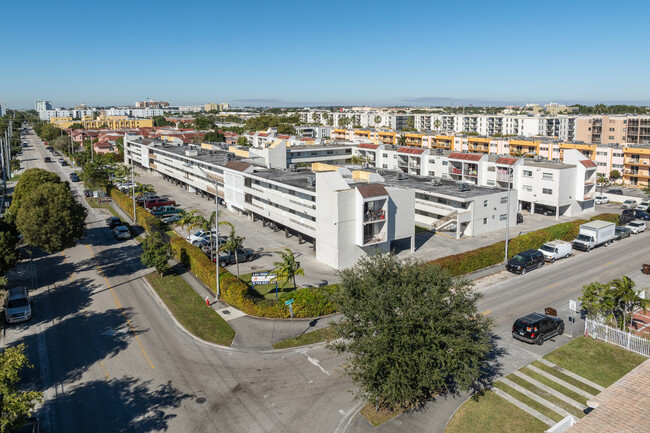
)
(291, 53)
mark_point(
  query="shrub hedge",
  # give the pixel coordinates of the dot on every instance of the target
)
(470, 261)
(142, 216)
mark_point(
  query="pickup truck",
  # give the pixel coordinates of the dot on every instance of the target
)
(594, 233)
(555, 250)
(166, 211)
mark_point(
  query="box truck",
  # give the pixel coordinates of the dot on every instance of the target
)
(594, 233)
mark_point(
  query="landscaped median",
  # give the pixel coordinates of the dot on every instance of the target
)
(558, 385)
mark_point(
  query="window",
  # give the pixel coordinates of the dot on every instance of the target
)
(485, 220)
(385, 155)
(384, 165)
(491, 183)
(445, 162)
(504, 200)
(547, 176)
(492, 168)
(503, 217)
(547, 191)
(527, 187)
(611, 137)
(485, 203)
(611, 129)
(432, 173)
(528, 173)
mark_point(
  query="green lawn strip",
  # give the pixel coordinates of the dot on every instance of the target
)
(565, 378)
(529, 402)
(594, 360)
(317, 336)
(378, 417)
(267, 291)
(190, 310)
(419, 229)
(556, 386)
(546, 396)
(492, 414)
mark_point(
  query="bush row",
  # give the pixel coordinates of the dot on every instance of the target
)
(308, 302)
(142, 216)
(470, 261)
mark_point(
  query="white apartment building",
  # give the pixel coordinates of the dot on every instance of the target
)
(59, 112)
(42, 106)
(134, 112)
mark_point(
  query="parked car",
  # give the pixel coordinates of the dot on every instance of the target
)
(622, 232)
(643, 206)
(17, 305)
(49, 148)
(641, 215)
(520, 218)
(158, 202)
(200, 235)
(593, 234)
(163, 211)
(121, 232)
(145, 198)
(47, 159)
(636, 227)
(543, 210)
(526, 261)
(113, 222)
(243, 255)
(601, 199)
(171, 219)
(536, 327)
(629, 204)
(126, 186)
(88, 193)
(55, 153)
(74, 177)
(615, 191)
(555, 250)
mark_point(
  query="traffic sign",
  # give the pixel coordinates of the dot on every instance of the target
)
(289, 302)
(573, 305)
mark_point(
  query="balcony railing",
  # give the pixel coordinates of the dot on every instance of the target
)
(373, 239)
(374, 215)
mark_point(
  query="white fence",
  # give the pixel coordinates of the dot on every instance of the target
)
(615, 336)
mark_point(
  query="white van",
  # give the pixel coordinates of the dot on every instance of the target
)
(555, 250)
(17, 305)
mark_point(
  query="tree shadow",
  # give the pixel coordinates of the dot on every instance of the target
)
(120, 405)
(117, 261)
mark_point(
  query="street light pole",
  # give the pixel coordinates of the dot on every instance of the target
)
(510, 176)
(216, 225)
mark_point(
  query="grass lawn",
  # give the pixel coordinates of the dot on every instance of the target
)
(547, 396)
(317, 336)
(267, 291)
(552, 384)
(597, 361)
(564, 377)
(529, 401)
(378, 417)
(419, 229)
(492, 414)
(190, 310)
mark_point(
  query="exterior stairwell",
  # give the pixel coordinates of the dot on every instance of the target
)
(445, 221)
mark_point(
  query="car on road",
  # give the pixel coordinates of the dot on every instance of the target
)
(18, 305)
(121, 232)
(520, 218)
(601, 199)
(536, 327)
(621, 232)
(629, 204)
(636, 227)
(74, 177)
(243, 255)
(525, 261)
(113, 222)
(641, 215)
(47, 159)
(615, 191)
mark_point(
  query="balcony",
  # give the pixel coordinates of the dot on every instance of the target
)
(373, 239)
(372, 216)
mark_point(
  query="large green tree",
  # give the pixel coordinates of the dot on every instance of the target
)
(243, 141)
(156, 253)
(15, 405)
(612, 302)
(94, 176)
(215, 137)
(411, 330)
(30, 180)
(8, 242)
(51, 218)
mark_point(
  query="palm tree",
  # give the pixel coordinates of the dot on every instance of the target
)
(402, 140)
(142, 189)
(287, 268)
(627, 299)
(377, 120)
(187, 219)
(436, 124)
(232, 244)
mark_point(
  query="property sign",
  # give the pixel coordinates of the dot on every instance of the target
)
(289, 302)
(573, 306)
(261, 278)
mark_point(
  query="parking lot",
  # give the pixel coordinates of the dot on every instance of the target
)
(265, 241)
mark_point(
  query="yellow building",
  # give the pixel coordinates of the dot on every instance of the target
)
(520, 147)
(62, 122)
(478, 144)
(102, 122)
(588, 150)
(636, 165)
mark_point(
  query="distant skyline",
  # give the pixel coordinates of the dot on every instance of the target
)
(291, 53)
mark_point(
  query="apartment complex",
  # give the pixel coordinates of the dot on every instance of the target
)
(216, 107)
(110, 122)
(613, 129)
(42, 105)
(151, 104)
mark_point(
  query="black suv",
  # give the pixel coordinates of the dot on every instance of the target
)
(113, 222)
(626, 216)
(526, 261)
(536, 327)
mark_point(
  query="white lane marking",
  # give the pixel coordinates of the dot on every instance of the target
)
(315, 362)
(347, 419)
(341, 411)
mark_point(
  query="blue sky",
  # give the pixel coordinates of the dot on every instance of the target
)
(325, 52)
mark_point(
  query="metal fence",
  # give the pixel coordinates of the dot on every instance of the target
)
(615, 336)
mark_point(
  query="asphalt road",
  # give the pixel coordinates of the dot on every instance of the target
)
(109, 358)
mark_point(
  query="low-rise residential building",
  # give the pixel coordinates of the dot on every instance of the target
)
(636, 164)
(99, 122)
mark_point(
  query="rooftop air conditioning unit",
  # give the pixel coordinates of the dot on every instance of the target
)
(436, 181)
(462, 187)
(311, 180)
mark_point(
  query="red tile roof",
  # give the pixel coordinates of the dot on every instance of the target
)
(410, 150)
(506, 161)
(368, 146)
(588, 163)
(465, 156)
(372, 190)
(262, 135)
(284, 137)
(307, 139)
